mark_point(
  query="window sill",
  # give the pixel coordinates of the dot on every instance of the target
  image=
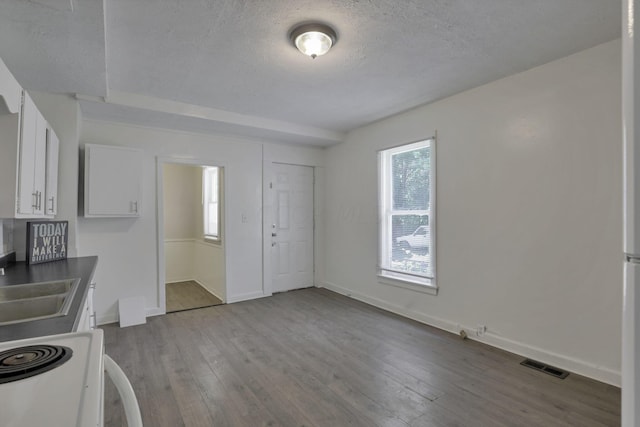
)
(212, 241)
(425, 286)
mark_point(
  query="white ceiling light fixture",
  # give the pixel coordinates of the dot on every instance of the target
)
(313, 39)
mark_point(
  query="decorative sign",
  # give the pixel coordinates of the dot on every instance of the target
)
(46, 241)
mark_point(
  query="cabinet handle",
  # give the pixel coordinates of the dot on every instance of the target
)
(52, 200)
(35, 200)
(39, 200)
(135, 206)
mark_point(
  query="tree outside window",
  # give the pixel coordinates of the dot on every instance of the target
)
(406, 207)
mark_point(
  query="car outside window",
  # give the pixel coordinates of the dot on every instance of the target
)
(407, 206)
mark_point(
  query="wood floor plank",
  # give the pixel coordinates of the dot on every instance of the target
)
(300, 382)
(316, 358)
(187, 296)
(383, 395)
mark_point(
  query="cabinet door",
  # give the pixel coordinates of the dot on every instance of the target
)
(40, 164)
(27, 196)
(87, 319)
(31, 167)
(112, 181)
(92, 311)
(83, 323)
(51, 187)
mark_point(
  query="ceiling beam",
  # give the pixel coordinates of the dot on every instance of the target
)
(160, 105)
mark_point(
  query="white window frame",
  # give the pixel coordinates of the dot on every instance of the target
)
(386, 274)
(211, 176)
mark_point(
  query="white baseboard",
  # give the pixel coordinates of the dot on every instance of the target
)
(113, 317)
(208, 290)
(571, 364)
(199, 283)
(107, 319)
(186, 279)
(155, 311)
(246, 297)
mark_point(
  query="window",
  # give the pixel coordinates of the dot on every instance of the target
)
(211, 202)
(407, 206)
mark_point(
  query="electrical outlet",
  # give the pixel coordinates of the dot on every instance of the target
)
(481, 329)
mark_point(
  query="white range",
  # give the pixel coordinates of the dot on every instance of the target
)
(58, 381)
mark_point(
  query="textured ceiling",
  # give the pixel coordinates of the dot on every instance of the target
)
(234, 55)
(50, 48)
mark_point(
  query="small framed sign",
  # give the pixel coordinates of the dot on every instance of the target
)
(46, 241)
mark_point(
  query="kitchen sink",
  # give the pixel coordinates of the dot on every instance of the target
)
(35, 301)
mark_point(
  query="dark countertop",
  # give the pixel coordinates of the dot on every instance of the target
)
(21, 272)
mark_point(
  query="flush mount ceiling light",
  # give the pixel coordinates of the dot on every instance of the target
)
(313, 39)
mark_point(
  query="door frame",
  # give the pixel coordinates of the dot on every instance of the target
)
(160, 162)
(268, 219)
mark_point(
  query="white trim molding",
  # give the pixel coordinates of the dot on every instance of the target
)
(246, 297)
(571, 364)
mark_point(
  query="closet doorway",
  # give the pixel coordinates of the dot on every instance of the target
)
(192, 235)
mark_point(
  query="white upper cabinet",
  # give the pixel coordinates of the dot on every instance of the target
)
(112, 181)
(31, 167)
(51, 188)
(29, 159)
(24, 163)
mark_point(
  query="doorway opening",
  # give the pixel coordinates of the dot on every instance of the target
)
(188, 295)
(191, 238)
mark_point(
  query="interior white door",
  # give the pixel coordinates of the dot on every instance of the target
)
(292, 227)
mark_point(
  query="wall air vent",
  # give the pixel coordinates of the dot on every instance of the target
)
(538, 366)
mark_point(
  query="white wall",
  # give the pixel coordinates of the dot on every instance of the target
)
(126, 248)
(208, 263)
(6, 237)
(179, 256)
(529, 209)
(182, 194)
(182, 200)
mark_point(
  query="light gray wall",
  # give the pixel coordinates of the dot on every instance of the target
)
(128, 263)
(182, 200)
(529, 210)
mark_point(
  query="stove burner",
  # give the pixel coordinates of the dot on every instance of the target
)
(24, 362)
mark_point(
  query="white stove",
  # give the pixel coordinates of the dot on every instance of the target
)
(58, 381)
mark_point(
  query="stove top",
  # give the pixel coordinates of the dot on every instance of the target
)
(53, 380)
(24, 362)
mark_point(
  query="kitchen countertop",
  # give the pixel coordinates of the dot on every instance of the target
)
(69, 268)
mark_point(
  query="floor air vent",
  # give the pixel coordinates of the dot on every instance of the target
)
(555, 372)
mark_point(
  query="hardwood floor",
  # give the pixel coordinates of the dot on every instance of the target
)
(188, 295)
(316, 358)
